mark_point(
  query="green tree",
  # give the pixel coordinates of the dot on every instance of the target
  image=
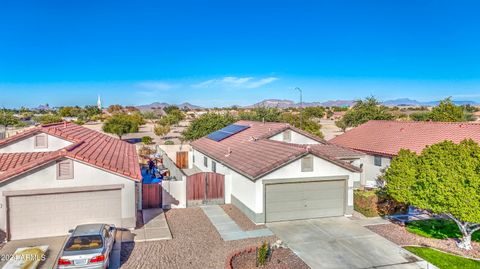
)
(8, 119)
(314, 112)
(268, 114)
(161, 130)
(304, 123)
(121, 124)
(341, 124)
(448, 111)
(150, 115)
(365, 110)
(170, 109)
(70, 111)
(420, 116)
(92, 111)
(48, 118)
(444, 179)
(206, 124)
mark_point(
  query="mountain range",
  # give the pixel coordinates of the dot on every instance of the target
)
(184, 105)
(283, 103)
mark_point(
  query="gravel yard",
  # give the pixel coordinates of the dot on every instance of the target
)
(3, 236)
(281, 259)
(243, 221)
(195, 244)
(400, 236)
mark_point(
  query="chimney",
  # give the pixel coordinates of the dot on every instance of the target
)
(229, 151)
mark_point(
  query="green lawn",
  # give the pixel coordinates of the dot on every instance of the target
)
(438, 228)
(443, 260)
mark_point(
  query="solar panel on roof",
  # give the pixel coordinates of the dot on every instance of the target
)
(226, 132)
(234, 128)
(218, 135)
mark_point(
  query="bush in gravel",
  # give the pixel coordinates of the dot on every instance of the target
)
(147, 140)
(263, 253)
(169, 142)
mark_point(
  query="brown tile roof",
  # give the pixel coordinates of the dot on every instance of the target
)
(89, 146)
(388, 137)
(252, 154)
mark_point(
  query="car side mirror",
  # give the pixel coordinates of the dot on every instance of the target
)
(112, 228)
(71, 231)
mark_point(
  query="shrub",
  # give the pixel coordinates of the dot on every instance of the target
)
(263, 253)
(79, 122)
(147, 140)
(373, 203)
(169, 142)
(365, 202)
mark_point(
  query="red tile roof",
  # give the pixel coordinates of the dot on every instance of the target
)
(252, 154)
(89, 146)
(388, 137)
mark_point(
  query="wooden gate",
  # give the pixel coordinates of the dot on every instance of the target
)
(151, 196)
(182, 159)
(205, 188)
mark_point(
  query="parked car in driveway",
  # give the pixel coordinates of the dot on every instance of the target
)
(88, 246)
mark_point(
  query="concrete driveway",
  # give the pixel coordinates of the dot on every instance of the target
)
(54, 244)
(342, 243)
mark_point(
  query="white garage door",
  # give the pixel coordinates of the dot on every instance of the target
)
(54, 214)
(304, 200)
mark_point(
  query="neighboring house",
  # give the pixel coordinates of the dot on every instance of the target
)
(382, 140)
(276, 172)
(54, 177)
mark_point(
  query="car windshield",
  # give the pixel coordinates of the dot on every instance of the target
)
(84, 242)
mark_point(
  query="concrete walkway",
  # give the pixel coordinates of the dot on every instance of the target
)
(155, 227)
(227, 228)
(342, 243)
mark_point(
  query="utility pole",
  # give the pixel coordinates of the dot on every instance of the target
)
(301, 106)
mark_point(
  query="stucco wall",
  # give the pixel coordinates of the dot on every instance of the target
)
(27, 145)
(296, 138)
(84, 175)
(249, 194)
(372, 171)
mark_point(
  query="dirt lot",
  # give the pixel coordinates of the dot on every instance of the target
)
(400, 236)
(195, 244)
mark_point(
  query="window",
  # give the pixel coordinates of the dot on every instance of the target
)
(214, 166)
(86, 242)
(40, 141)
(377, 161)
(307, 164)
(205, 161)
(287, 136)
(65, 169)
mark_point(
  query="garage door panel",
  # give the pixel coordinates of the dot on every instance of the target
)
(303, 200)
(54, 214)
(305, 195)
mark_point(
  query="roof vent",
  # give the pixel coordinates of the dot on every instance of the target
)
(64, 124)
(229, 151)
(253, 138)
(402, 129)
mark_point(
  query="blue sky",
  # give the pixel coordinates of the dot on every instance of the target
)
(216, 53)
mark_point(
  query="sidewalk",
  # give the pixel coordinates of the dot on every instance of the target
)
(227, 228)
(155, 227)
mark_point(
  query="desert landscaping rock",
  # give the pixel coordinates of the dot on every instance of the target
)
(243, 221)
(195, 244)
(282, 258)
(400, 236)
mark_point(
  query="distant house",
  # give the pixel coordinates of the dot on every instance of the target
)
(275, 172)
(54, 177)
(381, 140)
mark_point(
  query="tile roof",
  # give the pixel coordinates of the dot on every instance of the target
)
(388, 137)
(89, 146)
(252, 154)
